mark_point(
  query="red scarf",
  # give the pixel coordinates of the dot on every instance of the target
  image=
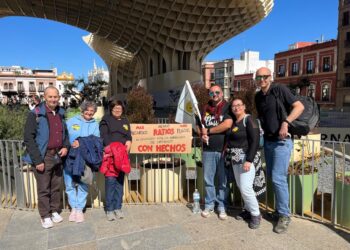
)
(213, 109)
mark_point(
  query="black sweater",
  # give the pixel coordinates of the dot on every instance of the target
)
(114, 130)
(246, 138)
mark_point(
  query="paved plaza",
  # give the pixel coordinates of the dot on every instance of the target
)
(161, 227)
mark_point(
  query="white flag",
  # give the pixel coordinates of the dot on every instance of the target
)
(187, 108)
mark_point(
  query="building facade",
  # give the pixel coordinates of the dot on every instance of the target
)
(234, 74)
(309, 69)
(16, 81)
(343, 74)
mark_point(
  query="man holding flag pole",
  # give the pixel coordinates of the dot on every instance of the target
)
(213, 136)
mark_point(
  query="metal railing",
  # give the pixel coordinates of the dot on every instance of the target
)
(319, 180)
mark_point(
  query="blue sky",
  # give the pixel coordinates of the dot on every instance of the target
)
(43, 44)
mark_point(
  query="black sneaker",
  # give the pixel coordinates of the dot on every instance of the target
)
(254, 222)
(274, 216)
(282, 224)
(244, 215)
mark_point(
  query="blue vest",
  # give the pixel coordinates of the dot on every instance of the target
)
(42, 130)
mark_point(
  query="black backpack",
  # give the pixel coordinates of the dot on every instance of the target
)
(308, 120)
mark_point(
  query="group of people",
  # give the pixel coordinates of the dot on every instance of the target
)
(49, 139)
(229, 131)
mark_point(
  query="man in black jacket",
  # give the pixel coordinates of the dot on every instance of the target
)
(46, 140)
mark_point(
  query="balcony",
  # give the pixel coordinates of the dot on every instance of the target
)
(281, 74)
(32, 89)
(295, 73)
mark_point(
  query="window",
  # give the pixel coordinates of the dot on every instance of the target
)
(50, 84)
(295, 69)
(20, 87)
(347, 80)
(6, 86)
(297, 90)
(41, 87)
(309, 66)
(281, 70)
(311, 90)
(326, 64)
(31, 87)
(346, 18)
(347, 60)
(125, 90)
(325, 92)
(10, 86)
(238, 85)
(212, 75)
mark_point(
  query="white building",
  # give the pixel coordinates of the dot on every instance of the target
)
(98, 74)
(224, 72)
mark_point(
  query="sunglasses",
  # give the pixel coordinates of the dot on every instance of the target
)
(259, 78)
(212, 93)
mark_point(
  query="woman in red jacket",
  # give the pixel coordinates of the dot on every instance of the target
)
(115, 128)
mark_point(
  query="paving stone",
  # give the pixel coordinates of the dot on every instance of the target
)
(23, 222)
(71, 233)
(25, 241)
(157, 238)
(5, 217)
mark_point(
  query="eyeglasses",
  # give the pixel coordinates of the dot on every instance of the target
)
(237, 106)
(259, 78)
(117, 109)
(212, 93)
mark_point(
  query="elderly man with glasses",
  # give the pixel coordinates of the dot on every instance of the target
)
(277, 141)
(216, 121)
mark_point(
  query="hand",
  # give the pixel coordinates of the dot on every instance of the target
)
(128, 146)
(204, 131)
(75, 144)
(40, 167)
(63, 152)
(205, 138)
(283, 133)
(246, 166)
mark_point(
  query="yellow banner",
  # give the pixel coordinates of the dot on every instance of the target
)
(161, 138)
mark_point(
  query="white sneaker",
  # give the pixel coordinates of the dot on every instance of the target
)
(46, 223)
(56, 217)
(222, 215)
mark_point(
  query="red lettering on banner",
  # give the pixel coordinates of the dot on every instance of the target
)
(139, 127)
(145, 148)
(163, 131)
(168, 148)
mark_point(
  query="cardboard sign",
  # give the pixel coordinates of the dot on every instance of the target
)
(161, 138)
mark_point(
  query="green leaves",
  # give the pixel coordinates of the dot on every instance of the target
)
(12, 122)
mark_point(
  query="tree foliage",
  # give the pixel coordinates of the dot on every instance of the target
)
(12, 122)
(201, 93)
(81, 90)
(248, 97)
(139, 106)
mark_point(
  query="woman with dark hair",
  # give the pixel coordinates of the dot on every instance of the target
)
(115, 128)
(242, 150)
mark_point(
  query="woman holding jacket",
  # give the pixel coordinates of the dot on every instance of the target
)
(242, 150)
(81, 125)
(115, 128)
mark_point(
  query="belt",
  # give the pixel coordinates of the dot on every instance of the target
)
(52, 151)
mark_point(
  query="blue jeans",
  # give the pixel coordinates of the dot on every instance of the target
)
(277, 156)
(76, 192)
(114, 192)
(213, 163)
(244, 182)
